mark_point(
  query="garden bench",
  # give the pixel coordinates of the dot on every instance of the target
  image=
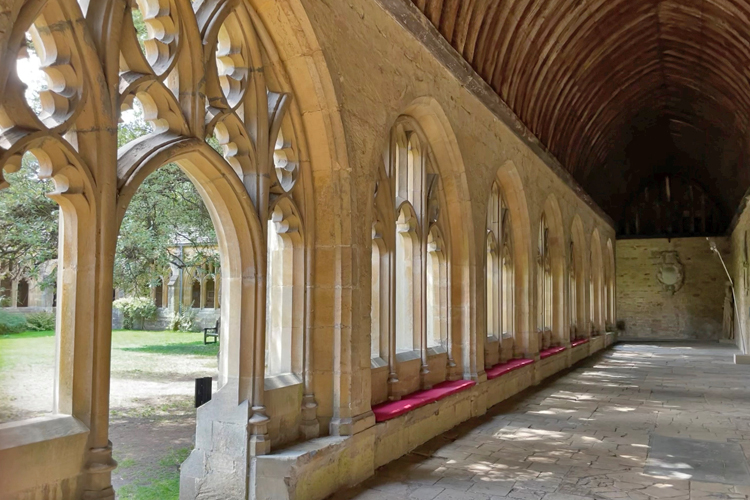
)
(211, 332)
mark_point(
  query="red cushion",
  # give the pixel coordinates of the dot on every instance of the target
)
(392, 409)
(578, 342)
(507, 367)
(550, 352)
(443, 390)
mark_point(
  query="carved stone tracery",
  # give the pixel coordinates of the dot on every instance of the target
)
(671, 273)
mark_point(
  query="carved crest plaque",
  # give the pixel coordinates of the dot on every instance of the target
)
(671, 272)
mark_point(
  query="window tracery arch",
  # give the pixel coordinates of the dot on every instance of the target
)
(544, 274)
(410, 311)
(500, 278)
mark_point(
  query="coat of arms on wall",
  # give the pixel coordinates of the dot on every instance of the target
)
(671, 272)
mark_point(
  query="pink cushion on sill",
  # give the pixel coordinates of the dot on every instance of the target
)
(392, 409)
(503, 368)
(443, 390)
(551, 352)
(578, 342)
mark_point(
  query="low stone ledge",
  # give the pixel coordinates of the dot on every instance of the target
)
(314, 469)
(508, 385)
(42, 456)
(579, 352)
(610, 338)
(597, 343)
(397, 437)
(550, 365)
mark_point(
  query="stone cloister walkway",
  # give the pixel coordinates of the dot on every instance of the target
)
(640, 422)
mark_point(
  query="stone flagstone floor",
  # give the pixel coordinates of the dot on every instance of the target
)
(589, 434)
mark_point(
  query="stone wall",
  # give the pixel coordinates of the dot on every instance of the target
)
(740, 269)
(652, 312)
(349, 88)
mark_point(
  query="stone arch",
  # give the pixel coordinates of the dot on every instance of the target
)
(514, 192)
(238, 232)
(580, 262)
(460, 237)
(558, 252)
(75, 193)
(96, 34)
(597, 280)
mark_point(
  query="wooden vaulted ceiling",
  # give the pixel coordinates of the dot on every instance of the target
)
(619, 90)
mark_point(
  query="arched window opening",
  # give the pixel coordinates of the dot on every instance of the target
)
(500, 285)
(6, 292)
(284, 264)
(29, 233)
(609, 302)
(408, 274)
(159, 294)
(437, 292)
(195, 294)
(544, 273)
(411, 278)
(573, 293)
(508, 293)
(592, 306)
(23, 294)
(165, 240)
(493, 277)
(379, 295)
(376, 306)
(210, 295)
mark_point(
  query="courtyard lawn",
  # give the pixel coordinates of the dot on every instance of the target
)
(152, 419)
(27, 375)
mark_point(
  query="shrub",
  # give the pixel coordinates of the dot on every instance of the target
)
(135, 311)
(11, 323)
(41, 321)
(185, 321)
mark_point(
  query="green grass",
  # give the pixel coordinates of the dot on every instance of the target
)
(163, 483)
(169, 343)
(26, 335)
(160, 489)
(175, 457)
(29, 349)
(185, 348)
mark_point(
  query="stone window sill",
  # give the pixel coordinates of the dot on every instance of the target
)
(281, 381)
(377, 363)
(38, 430)
(436, 351)
(404, 356)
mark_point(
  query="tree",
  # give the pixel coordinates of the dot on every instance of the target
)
(28, 223)
(164, 214)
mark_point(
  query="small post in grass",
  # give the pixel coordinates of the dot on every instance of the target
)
(203, 388)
